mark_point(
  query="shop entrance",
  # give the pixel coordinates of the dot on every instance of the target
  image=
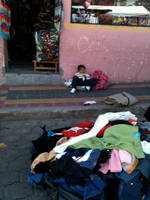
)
(32, 25)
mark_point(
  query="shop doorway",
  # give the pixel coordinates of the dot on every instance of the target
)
(28, 17)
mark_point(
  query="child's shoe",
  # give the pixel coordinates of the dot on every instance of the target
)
(73, 90)
(88, 88)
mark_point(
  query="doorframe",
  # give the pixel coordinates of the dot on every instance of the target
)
(5, 55)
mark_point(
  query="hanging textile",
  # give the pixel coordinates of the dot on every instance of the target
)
(46, 44)
(5, 20)
(47, 37)
(59, 15)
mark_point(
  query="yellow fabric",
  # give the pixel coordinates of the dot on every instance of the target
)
(2, 145)
(43, 157)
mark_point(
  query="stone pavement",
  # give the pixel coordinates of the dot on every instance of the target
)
(24, 108)
(15, 158)
(49, 101)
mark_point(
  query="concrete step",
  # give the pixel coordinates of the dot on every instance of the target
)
(33, 79)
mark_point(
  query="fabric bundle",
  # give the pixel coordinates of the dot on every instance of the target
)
(121, 99)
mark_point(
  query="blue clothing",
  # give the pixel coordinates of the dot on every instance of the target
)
(144, 166)
(91, 161)
(36, 179)
(130, 190)
(130, 186)
(93, 187)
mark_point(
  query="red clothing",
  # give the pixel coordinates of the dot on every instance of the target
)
(85, 124)
(101, 132)
(78, 129)
(74, 131)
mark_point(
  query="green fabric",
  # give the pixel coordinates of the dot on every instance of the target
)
(116, 137)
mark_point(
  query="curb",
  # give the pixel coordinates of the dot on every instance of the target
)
(53, 112)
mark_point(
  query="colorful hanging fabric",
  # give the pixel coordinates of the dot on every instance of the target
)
(5, 20)
(46, 44)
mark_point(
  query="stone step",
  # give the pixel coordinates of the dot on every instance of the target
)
(33, 79)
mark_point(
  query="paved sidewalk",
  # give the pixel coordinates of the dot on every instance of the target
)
(46, 101)
(15, 158)
(45, 95)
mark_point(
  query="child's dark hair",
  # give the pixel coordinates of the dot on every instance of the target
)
(80, 67)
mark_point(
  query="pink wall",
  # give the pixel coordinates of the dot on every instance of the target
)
(2, 79)
(121, 52)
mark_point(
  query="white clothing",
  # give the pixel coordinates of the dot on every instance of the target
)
(146, 147)
(101, 121)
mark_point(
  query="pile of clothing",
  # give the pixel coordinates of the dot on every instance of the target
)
(108, 159)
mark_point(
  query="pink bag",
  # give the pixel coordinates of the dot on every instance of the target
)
(102, 82)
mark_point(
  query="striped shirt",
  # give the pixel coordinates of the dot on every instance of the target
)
(83, 76)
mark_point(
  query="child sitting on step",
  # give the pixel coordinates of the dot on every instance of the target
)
(81, 78)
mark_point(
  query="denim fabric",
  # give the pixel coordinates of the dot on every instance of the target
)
(130, 189)
(92, 189)
(126, 177)
(64, 195)
(144, 166)
(35, 179)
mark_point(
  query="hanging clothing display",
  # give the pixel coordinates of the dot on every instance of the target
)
(46, 44)
(48, 30)
(59, 15)
(5, 20)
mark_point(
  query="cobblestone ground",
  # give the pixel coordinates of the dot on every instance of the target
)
(15, 158)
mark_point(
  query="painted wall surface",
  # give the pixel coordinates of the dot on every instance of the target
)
(2, 79)
(121, 52)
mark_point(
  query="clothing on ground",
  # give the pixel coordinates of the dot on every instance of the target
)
(100, 122)
(116, 137)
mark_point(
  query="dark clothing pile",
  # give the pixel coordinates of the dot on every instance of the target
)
(88, 173)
